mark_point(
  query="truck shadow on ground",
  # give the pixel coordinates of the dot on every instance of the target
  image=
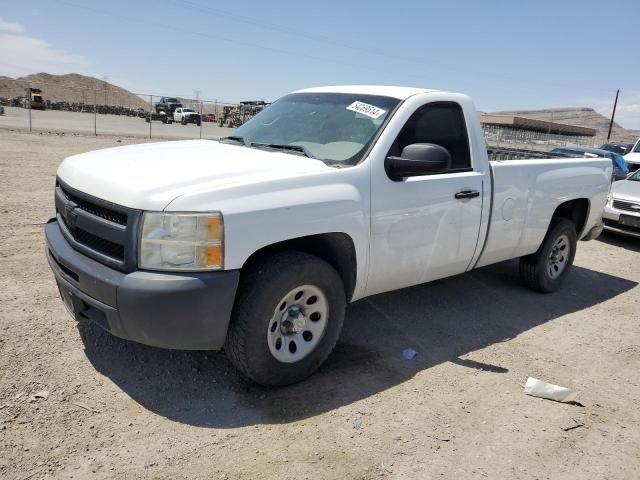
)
(442, 321)
(628, 243)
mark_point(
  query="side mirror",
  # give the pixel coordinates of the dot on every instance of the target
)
(418, 159)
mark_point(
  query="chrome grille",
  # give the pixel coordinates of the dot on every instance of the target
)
(626, 205)
(102, 230)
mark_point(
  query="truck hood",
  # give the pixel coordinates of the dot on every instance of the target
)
(149, 176)
(626, 190)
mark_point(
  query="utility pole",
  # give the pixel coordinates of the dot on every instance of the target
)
(95, 113)
(201, 122)
(150, 113)
(105, 79)
(613, 114)
(29, 100)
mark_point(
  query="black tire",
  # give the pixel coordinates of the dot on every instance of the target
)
(535, 269)
(262, 288)
(183, 121)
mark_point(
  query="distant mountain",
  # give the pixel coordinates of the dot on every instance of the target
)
(584, 117)
(71, 87)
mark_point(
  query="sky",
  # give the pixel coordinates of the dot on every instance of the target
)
(505, 54)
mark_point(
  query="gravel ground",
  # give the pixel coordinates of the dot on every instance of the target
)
(57, 121)
(78, 403)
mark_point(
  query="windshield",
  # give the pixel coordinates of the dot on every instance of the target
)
(635, 177)
(188, 110)
(333, 127)
(636, 149)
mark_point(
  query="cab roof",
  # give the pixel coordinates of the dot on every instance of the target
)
(400, 93)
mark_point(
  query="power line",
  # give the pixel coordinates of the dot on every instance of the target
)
(216, 12)
(192, 32)
(500, 77)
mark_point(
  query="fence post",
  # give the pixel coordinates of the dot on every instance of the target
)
(95, 114)
(29, 100)
(201, 122)
(150, 112)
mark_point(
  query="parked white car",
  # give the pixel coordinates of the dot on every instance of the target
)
(257, 242)
(633, 157)
(186, 115)
(622, 213)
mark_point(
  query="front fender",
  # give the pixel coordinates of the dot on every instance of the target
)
(257, 216)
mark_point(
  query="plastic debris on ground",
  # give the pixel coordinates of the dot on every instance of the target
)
(409, 353)
(538, 388)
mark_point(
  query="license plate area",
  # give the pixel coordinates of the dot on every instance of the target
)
(71, 303)
(629, 221)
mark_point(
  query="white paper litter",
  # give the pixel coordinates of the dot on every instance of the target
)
(538, 388)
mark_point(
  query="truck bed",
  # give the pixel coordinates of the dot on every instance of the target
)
(525, 195)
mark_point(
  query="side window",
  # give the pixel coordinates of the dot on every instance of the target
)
(441, 123)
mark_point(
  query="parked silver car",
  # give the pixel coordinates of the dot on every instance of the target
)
(622, 212)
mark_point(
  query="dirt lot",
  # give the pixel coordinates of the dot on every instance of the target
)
(115, 409)
(53, 120)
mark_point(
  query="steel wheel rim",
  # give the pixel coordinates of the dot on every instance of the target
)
(559, 256)
(298, 324)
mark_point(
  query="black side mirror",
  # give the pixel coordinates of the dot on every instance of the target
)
(418, 159)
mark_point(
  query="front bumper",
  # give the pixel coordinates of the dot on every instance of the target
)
(611, 217)
(189, 311)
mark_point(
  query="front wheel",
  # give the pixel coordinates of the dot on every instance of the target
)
(546, 269)
(287, 318)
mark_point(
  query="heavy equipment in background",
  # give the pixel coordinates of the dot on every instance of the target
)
(235, 115)
(168, 105)
(34, 99)
(250, 109)
(164, 110)
(229, 117)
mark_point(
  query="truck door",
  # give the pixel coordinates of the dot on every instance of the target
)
(425, 227)
(177, 115)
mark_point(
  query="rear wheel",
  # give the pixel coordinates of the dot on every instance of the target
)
(287, 319)
(546, 269)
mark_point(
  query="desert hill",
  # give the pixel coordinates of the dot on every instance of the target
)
(71, 87)
(584, 117)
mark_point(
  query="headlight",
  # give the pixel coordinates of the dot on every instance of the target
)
(181, 241)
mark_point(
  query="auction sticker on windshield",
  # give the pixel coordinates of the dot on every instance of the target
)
(366, 109)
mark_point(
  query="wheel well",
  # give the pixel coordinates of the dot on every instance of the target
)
(576, 211)
(337, 249)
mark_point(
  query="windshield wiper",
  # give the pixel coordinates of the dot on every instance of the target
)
(237, 138)
(279, 146)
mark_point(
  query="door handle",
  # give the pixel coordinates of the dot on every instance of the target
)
(467, 194)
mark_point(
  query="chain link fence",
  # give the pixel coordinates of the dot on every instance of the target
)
(109, 111)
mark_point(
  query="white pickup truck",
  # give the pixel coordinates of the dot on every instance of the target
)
(186, 115)
(256, 242)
